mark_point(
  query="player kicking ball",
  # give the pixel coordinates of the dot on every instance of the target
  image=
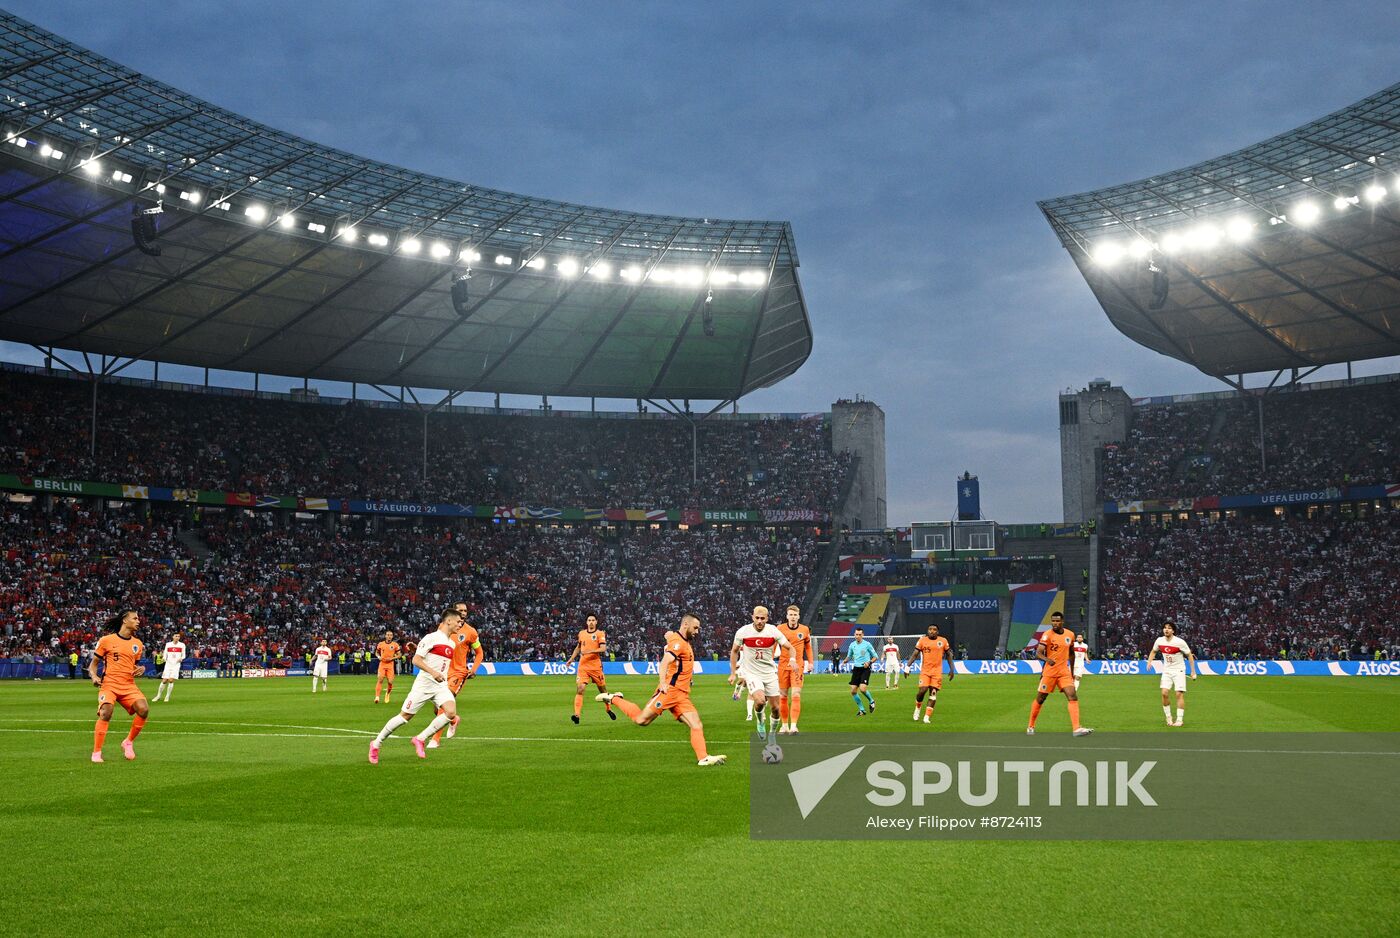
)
(673, 693)
(432, 656)
(1055, 646)
(931, 648)
(1174, 651)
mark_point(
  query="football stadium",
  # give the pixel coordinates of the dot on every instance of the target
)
(330, 489)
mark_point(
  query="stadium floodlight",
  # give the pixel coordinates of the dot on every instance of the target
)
(349, 233)
(316, 227)
(1203, 236)
(20, 142)
(662, 275)
(119, 175)
(191, 196)
(56, 154)
(1305, 213)
(1375, 193)
(600, 271)
(411, 246)
(1140, 248)
(378, 240)
(256, 212)
(92, 167)
(504, 260)
(723, 278)
(1341, 203)
(160, 188)
(568, 267)
(754, 278)
(1239, 230)
(632, 274)
(535, 263)
(1108, 253)
(468, 255)
(287, 221)
(690, 277)
(45, 150)
(1171, 243)
(439, 250)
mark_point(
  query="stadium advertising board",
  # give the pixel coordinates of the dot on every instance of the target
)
(352, 506)
(1344, 493)
(949, 605)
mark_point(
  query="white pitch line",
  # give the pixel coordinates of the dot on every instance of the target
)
(361, 735)
(183, 722)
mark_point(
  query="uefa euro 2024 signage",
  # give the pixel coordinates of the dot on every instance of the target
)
(949, 605)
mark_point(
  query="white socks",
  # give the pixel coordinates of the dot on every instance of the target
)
(1167, 712)
(394, 723)
(438, 723)
(748, 708)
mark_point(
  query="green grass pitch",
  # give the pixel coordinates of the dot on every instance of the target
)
(251, 808)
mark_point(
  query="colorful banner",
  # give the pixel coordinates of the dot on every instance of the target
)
(1316, 496)
(689, 516)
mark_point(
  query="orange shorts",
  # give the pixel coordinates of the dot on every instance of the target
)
(931, 680)
(455, 682)
(790, 678)
(677, 701)
(592, 673)
(126, 697)
(1056, 679)
(386, 669)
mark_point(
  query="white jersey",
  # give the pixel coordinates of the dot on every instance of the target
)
(174, 653)
(323, 654)
(1174, 651)
(758, 650)
(892, 653)
(435, 649)
(1081, 654)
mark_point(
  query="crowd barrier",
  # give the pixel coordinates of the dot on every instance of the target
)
(1213, 667)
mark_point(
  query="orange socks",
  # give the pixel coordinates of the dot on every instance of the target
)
(783, 708)
(578, 704)
(1035, 712)
(796, 709)
(697, 742)
(136, 724)
(1074, 713)
(629, 709)
(378, 684)
(99, 735)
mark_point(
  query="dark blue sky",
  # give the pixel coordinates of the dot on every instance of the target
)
(906, 142)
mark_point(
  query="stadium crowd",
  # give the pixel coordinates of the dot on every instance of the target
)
(281, 447)
(269, 590)
(1312, 439)
(1303, 588)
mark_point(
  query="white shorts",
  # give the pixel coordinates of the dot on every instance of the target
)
(426, 690)
(171, 672)
(1174, 680)
(768, 683)
(892, 665)
(319, 669)
(1079, 670)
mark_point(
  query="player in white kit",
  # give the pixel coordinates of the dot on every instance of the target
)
(1081, 657)
(174, 654)
(1174, 651)
(891, 651)
(753, 660)
(320, 665)
(433, 658)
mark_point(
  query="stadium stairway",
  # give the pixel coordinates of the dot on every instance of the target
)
(194, 543)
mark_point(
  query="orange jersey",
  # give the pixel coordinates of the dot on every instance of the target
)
(464, 641)
(932, 651)
(387, 652)
(801, 638)
(120, 655)
(1058, 648)
(679, 672)
(590, 647)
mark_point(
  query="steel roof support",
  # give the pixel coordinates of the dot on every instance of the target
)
(758, 320)
(697, 306)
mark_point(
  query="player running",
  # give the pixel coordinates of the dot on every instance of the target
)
(932, 648)
(592, 645)
(121, 651)
(464, 639)
(891, 652)
(1054, 648)
(790, 678)
(174, 654)
(321, 665)
(861, 655)
(1081, 658)
(752, 660)
(432, 656)
(1174, 651)
(386, 651)
(673, 692)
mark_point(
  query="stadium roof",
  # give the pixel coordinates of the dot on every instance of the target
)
(1282, 255)
(282, 256)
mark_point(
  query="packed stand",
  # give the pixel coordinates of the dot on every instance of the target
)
(1322, 588)
(1313, 439)
(279, 447)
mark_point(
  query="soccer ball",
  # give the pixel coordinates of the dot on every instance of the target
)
(772, 753)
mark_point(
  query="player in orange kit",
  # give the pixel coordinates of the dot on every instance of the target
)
(932, 648)
(673, 691)
(1055, 648)
(459, 672)
(386, 651)
(790, 678)
(592, 645)
(121, 651)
